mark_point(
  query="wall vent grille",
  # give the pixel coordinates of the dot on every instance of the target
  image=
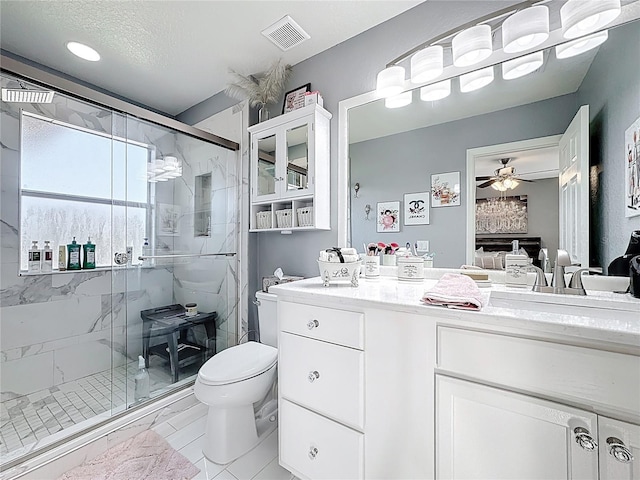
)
(286, 33)
(26, 96)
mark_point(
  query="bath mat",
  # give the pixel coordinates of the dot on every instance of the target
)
(147, 456)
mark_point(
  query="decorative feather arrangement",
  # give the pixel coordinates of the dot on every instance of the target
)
(260, 89)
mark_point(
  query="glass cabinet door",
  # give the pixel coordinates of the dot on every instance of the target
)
(266, 175)
(297, 142)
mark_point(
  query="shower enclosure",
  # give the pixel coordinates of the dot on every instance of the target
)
(161, 205)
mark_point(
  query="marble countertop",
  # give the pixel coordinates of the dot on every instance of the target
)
(601, 316)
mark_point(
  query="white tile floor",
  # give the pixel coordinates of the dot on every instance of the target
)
(185, 433)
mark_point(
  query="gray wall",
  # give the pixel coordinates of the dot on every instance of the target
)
(439, 149)
(611, 88)
(542, 206)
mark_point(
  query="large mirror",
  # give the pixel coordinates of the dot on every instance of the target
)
(505, 144)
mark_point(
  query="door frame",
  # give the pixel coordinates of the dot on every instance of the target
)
(474, 154)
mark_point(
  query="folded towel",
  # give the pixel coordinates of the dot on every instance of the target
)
(334, 257)
(342, 255)
(454, 291)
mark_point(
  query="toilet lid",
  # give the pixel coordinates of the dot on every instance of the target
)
(238, 363)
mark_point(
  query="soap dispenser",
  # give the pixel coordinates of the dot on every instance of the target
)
(73, 256)
(35, 258)
(47, 258)
(88, 255)
(141, 379)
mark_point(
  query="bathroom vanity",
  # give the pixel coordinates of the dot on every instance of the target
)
(373, 384)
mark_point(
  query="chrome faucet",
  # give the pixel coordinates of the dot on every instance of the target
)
(562, 260)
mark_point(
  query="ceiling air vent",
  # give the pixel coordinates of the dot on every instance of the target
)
(26, 96)
(286, 33)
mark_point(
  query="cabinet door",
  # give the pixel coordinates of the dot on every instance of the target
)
(264, 178)
(298, 177)
(488, 433)
(619, 450)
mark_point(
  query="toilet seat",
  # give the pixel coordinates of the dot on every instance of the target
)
(238, 363)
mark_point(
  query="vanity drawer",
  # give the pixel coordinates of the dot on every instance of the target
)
(322, 376)
(317, 447)
(328, 324)
(603, 379)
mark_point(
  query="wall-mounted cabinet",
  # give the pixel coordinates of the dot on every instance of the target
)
(290, 171)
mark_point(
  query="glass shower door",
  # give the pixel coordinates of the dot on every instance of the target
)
(183, 235)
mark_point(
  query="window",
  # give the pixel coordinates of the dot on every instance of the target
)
(79, 183)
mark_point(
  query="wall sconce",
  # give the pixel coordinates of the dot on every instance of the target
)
(367, 211)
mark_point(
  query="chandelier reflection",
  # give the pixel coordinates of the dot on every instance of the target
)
(502, 215)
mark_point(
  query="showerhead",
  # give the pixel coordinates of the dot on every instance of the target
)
(17, 95)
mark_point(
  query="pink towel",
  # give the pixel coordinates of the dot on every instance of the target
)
(454, 291)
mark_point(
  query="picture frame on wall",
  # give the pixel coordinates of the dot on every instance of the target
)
(416, 208)
(294, 99)
(445, 189)
(388, 217)
(632, 170)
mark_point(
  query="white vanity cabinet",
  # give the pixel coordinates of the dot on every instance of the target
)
(504, 416)
(355, 403)
(290, 171)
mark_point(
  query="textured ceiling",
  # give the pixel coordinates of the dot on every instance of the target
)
(171, 55)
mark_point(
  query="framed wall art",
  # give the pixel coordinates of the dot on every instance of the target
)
(445, 189)
(632, 170)
(502, 215)
(416, 208)
(294, 99)
(388, 216)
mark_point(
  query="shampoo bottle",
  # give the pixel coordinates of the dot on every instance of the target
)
(35, 257)
(141, 378)
(89, 255)
(47, 257)
(73, 255)
(62, 258)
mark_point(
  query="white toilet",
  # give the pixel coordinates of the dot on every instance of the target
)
(232, 381)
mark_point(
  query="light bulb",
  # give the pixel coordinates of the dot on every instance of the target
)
(581, 45)
(525, 29)
(581, 17)
(476, 80)
(390, 81)
(398, 101)
(472, 45)
(507, 182)
(437, 91)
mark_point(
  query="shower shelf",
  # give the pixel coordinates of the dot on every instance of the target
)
(23, 273)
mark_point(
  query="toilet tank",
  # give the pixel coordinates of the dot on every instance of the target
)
(267, 318)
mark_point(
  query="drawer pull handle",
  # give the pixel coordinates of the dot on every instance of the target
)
(618, 450)
(584, 439)
(313, 451)
(313, 376)
(313, 324)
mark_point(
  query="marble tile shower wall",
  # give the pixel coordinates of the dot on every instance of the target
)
(211, 282)
(57, 328)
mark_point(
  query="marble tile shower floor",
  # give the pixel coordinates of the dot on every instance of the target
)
(27, 419)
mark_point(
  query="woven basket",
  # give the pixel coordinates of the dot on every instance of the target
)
(263, 219)
(284, 218)
(305, 217)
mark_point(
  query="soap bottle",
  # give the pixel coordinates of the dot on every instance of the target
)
(47, 258)
(62, 258)
(146, 251)
(35, 257)
(141, 379)
(89, 255)
(73, 256)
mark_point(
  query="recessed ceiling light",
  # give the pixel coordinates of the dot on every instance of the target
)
(83, 51)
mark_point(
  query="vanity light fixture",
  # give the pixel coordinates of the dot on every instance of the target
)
(525, 29)
(83, 51)
(164, 169)
(581, 45)
(472, 45)
(581, 17)
(398, 101)
(390, 81)
(427, 64)
(476, 80)
(519, 67)
(437, 91)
